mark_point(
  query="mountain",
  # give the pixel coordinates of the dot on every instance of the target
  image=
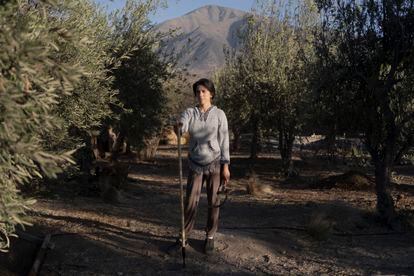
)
(201, 36)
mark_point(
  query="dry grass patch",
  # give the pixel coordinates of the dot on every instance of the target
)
(352, 180)
(337, 216)
(257, 189)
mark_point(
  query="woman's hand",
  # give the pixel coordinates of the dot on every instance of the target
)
(225, 174)
(178, 125)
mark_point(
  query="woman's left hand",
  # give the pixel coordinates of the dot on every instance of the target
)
(225, 174)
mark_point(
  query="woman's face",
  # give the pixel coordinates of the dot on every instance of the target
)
(203, 95)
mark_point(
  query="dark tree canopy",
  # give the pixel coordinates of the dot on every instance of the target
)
(365, 52)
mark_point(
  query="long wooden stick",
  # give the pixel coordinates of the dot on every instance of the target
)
(180, 165)
(40, 256)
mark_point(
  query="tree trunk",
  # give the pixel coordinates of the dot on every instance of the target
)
(150, 148)
(85, 157)
(236, 140)
(285, 147)
(254, 145)
(286, 139)
(330, 147)
(117, 146)
(385, 203)
(128, 147)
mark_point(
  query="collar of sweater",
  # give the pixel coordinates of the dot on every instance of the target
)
(203, 115)
(208, 109)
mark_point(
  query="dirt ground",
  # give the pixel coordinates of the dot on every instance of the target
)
(287, 227)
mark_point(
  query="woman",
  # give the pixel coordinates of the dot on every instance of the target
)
(208, 156)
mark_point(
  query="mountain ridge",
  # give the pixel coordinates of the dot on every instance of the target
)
(203, 33)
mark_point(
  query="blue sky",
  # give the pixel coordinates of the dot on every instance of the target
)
(178, 8)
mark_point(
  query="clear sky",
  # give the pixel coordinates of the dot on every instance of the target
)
(178, 8)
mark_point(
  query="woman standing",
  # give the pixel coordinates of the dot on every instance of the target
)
(208, 157)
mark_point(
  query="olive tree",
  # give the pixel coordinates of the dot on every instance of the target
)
(144, 79)
(369, 46)
(271, 72)
(32, 80)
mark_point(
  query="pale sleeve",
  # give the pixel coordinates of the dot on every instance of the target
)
(223, 138)
(185, 119)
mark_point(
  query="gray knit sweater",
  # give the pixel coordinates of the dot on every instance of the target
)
(209, 135)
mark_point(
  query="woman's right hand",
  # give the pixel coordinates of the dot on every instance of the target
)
(178, 125)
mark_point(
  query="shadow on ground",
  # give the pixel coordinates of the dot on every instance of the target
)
(256, 235)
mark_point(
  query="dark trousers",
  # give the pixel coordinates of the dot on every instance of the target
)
(194, 184)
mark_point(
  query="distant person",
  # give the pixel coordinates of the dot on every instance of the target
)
(208, 157)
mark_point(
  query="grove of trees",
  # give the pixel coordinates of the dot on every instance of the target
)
(328, 67)
(68, 69)
(368, 46)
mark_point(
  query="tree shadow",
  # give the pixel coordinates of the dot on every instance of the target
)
(278, 228)
(245, 226)
(22, 253)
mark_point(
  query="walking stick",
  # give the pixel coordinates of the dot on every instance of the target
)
(181, 196)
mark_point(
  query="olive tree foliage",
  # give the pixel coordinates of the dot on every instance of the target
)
(242, 82)
(121, 86)
(32, 80)
(145, 79)
(85, 110)
(232, 96)
(366, 47)
(269, 75)
(59, 62)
